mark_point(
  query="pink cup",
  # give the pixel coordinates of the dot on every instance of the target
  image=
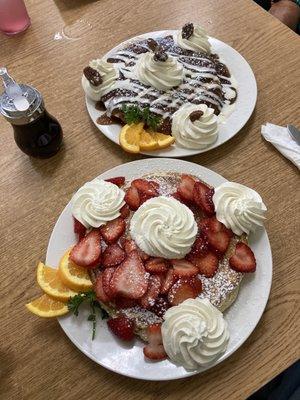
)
(13, 17)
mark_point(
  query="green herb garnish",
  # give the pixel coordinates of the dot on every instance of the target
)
(90, 296)
(133, 114)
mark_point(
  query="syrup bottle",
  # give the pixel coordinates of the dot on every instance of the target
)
(36, 132)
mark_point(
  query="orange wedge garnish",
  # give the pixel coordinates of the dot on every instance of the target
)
(163, 140)
(73, 276)
(50, 282)
(46, 306)
(130, 137)
(147, 141)
(133, 138)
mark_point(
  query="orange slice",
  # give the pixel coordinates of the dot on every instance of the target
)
(47, 307)
(49, 280)
(147, 141)
(130, 137)
(73, 276)
(163, 140)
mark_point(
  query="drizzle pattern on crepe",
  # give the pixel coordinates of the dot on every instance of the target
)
(206, 81)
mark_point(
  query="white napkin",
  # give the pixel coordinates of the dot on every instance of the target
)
(283, 141)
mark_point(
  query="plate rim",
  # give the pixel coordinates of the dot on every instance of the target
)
(187, 152)
(202, 170)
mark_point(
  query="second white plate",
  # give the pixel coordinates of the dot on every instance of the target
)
(244, 106)
(128, 360)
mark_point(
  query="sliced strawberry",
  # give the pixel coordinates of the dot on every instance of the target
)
(125, 211)
(113, 255)
(106, 278)
(79, 228)
(144, 256)
(207, 264)
(219, 241)
(168, 282)
(129, 245)
(218, 236)
(202, 196)
(196, 282)
(122, 303)
(118, 180)
(87, 252)
(122, 327)
(184, 268)
(160, 306)
(186, 187)
(113, 230)
(132, 198)
(155, 185)
(156, 352)
(162, 277)
(213, 225)
(146, 187)
(152, 293)
(243, 259)
(154, 349)
(130, 279)
(144, 197)
(99, 289)
(154, 334)
(204, 225)
(177, 196)
(156, 265)
(200, 245)
(181, 290)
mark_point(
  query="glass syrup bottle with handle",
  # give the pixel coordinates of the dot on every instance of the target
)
(36, 132)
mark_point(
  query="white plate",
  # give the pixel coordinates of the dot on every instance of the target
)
(244, 106)
(128, 360)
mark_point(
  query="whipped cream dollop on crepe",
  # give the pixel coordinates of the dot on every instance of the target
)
(195, 126)
(194, 333)
(97, 202)
(163, 73)
(108, 76)
(164, 227)
(193, 37)
(238, 207)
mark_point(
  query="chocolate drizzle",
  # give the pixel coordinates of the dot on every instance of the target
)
(100, 106)
(105, 119)
(206, 81)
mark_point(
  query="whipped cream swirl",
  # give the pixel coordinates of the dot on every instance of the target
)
(108, 74)
(194, 333)
(238, 207)
(164, 227)
(97, 202)
(197, 42)
(162, 75)
(197, 134)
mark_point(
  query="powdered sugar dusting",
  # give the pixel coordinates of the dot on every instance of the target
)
(217, 288)
(142, 317)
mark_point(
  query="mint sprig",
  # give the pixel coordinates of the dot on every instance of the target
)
(133, 114)
(75, 302)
